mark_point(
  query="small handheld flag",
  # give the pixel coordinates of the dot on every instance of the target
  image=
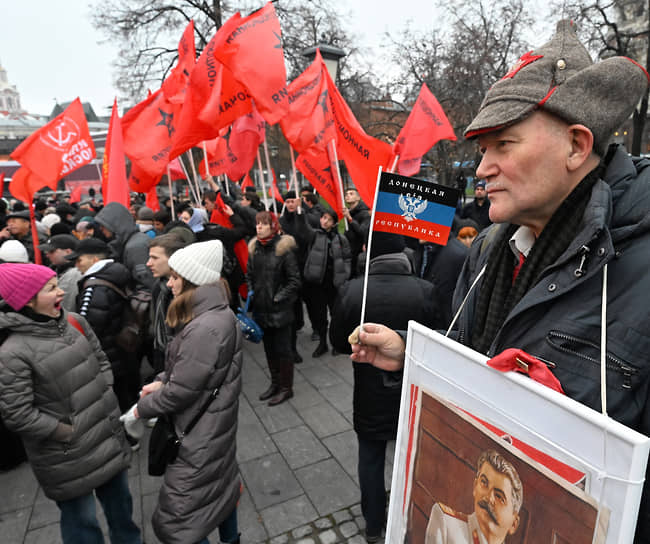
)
(416, 208)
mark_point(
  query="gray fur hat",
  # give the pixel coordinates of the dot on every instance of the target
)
(560, 78)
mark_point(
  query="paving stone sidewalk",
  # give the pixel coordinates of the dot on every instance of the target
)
(297, 462)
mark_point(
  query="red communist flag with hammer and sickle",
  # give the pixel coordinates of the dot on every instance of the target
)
(58, 148)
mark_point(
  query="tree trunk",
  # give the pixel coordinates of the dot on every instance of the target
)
(216, 8)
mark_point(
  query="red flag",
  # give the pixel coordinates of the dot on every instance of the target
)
(115, 187)
(176, 170)
(363, 154)
(24, 183)
(316, 167)
(58, 148)
(141, 181)
(309, 121)
(274, 191)
(408, 167)
(174, 86)
(213, 100)
(246, 134)
(75, 195)
(148, 128)
(217, 151)
(251, 48)
(426, 125)
(2, 181)
(152, 201)
(247, 182)
(220, 217)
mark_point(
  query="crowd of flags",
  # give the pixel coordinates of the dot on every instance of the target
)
(221, 103)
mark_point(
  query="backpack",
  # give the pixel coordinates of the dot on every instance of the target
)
(135, 315)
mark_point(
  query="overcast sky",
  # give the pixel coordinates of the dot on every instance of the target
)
(51, 52)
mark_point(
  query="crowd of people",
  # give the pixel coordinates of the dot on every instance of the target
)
(120, 285)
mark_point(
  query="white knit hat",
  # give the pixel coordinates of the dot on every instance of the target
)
(12, 251)
(198, 263)
(50, 219)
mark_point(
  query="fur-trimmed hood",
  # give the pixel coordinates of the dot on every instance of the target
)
(283, 244)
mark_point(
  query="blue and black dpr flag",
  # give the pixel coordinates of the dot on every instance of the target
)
(416, 208)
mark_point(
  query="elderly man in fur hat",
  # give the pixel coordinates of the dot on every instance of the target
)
(572, 230)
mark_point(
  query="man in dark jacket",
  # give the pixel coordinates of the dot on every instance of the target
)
(101, 301)
(128, 245)
(161, 248)
(358, 218)
(395, 295)
(478, 210)
(19, 226)
(574, 211)
(327, 267)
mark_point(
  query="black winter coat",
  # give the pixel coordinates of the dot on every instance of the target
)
(274, 277)
(394, 297)
(103, 308)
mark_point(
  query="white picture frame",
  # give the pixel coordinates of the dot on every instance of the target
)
(612, 456)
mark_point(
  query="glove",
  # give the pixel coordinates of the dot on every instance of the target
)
(132, 425)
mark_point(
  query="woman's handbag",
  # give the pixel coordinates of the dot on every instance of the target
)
(251, 330)
(164, 443)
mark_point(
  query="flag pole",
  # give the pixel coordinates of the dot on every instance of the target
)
(188, 179)
(394, 165)
(205, 158)
(295, 179)
(226, 183)
(32, 219)
(334, 161)
(196, 179)
(171, 193)
(269, 174)
(368, 245)
(259, 165)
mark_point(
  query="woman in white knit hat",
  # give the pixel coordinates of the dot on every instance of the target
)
(201, 486)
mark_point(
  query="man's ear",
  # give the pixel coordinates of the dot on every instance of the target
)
(514, 526)
(581, 146)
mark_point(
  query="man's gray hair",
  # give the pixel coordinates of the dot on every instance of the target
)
(500, 464)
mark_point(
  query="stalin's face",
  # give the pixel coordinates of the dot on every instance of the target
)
(493, 504)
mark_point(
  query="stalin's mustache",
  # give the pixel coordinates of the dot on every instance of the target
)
(486, 506)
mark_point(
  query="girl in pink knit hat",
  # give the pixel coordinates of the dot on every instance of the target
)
(56, 393)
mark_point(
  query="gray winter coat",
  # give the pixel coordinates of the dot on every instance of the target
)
(559, 321)
(201, 487)
(129, 246)
(56, 392)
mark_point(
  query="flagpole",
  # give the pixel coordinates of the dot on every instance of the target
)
(268, 163)
(32, 219)
(171, 193)
(189, 180)
(392, 168)
(259, 165)
(196, 179)
(368, 245)
(334, 160)
(295, 179)
(205, 158)
(226, 182)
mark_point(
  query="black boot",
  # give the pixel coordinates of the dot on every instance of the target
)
(322, 345)
(274, 369)
(286, 383)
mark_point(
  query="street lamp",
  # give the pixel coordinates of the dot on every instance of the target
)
(331, 56)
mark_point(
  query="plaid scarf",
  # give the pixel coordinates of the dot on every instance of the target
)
(499, 295)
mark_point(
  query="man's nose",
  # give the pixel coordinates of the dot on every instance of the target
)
(486, 168)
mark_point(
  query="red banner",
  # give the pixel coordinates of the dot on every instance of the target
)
(115, 187)
(316, 167)
(251, 48)
(58, 148)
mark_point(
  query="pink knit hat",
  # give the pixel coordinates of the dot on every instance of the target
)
(19, 283)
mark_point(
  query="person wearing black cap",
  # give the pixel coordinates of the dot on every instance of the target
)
(395, 295)
(327, 267)
(101, 301)
(478, 210)
(573, 233)
(56, 249)
(19, 226)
